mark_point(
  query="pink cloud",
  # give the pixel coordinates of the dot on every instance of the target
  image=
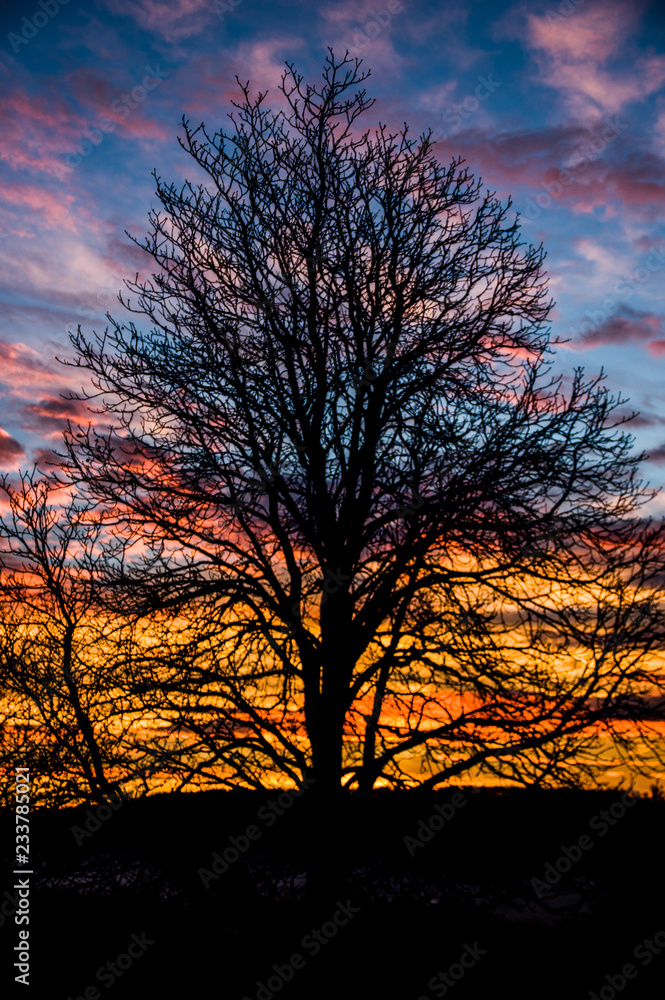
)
(366, 31)
(639, 180)
(103, 99)
(41, 387)
(585, 35)
(35, 132)
(659, 127)
(22, 369)
(626, 327)
(124, 257)
(656, 347)
(54, 212)
(262, 63)
(174, 20)
(46, 459)
(579, 165)
(572, 53)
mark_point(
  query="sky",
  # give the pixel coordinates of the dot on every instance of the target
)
(558, 105)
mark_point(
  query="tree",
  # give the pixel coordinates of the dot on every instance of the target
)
(396, 538)
(58, 650)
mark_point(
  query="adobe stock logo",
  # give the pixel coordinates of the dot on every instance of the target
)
(624, 288)
(30, 26)
(584, 155)
(458, 114)
(379, 20)
(614, 983)
(446, 979)
(119, 109)
(111, 971)
(313, 942)
(222, 7)
(443, 813)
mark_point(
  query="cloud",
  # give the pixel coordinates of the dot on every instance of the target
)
(590, 35)
(36, 131)
(659, 127)
(526, 155)
(69, 274)
(438, 98)
(657, 455)
(55, 212)
(49, 416)
(45, 459)
(174, 20)
(103, 99)
(44, 323)
(573, 53)
(122, 256)
(638, 180)
(643, 419)
(585, 166)
(367, 32)
(626, 326)
(20, 363)
(27, 374)
(10, 449)
(260, 62)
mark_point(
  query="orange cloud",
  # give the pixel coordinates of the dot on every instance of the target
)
(49, 416)
(22, 369)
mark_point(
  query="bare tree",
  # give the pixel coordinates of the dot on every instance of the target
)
(405, 551)
(58, 650)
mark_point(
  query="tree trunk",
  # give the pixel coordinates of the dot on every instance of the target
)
(327, 875)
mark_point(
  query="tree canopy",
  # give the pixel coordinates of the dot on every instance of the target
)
(377, 540)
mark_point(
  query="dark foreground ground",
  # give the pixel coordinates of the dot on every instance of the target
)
(136, 908)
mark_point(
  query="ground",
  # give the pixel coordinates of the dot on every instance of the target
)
(525, 893)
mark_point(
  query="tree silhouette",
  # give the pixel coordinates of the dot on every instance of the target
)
(403, 551)
(56, 652)
(70, 709)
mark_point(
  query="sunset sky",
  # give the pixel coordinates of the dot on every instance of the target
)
(560, 105)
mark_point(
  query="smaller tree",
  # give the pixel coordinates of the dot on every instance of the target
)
(58, 651)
